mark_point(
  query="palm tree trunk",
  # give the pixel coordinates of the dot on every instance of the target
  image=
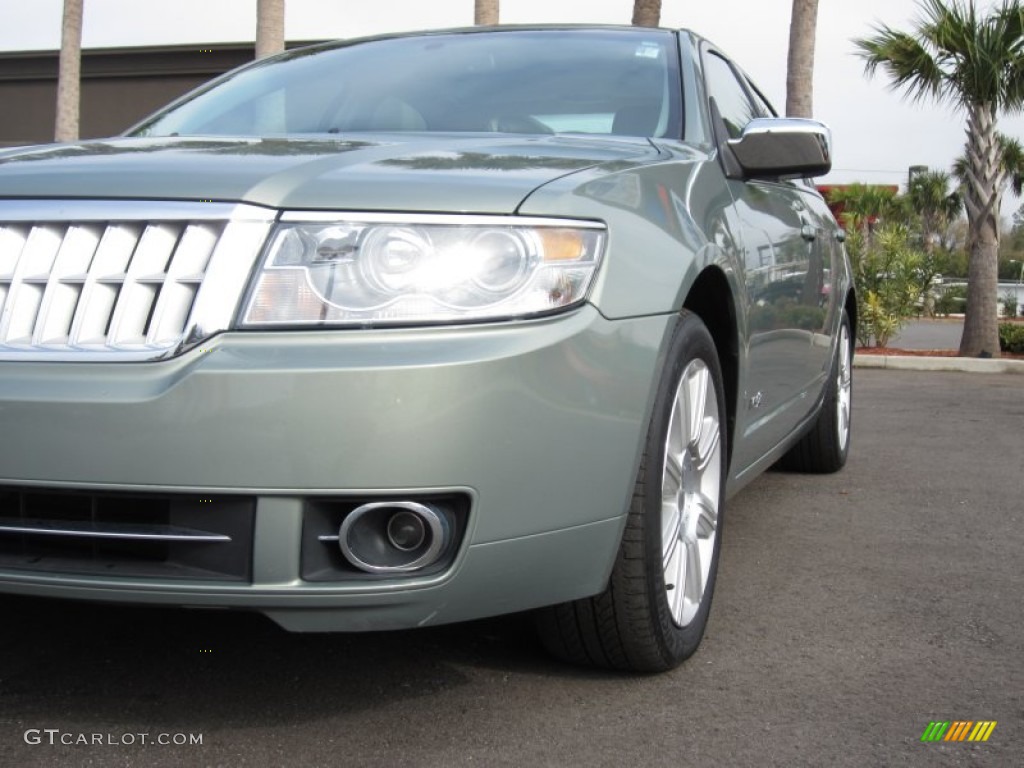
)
(269, 27)
(485, 12)
(70, 73)
(800, 67)
(985, 177)
(646, 13)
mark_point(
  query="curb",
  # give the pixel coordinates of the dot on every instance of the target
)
(957, 364)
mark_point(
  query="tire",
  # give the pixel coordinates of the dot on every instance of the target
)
(653, 612)
(827, 444)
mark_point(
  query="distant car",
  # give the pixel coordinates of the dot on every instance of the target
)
(418, 329)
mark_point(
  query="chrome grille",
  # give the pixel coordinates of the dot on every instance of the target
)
(81, 280)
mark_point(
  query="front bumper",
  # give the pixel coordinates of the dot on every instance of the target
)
(538, 424)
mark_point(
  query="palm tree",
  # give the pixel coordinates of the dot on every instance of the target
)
(69, 77)
(864, 205)
(646, 13)
(929, 197)
(800, 65)
(269, 27)
(975, 63)
(485, 12)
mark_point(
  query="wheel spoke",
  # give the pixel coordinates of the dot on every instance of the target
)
(672, 480)
(707, 517)
(697, 396)
(694, 576)
(671, 533)
(708, 444)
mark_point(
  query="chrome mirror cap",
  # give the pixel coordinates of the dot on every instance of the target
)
(783, 148)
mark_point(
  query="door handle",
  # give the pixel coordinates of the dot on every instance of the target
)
(808, 233)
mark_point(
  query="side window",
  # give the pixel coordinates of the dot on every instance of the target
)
(725, 88)
(764, 109)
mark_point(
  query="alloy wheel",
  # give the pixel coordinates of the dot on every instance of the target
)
(690, 491)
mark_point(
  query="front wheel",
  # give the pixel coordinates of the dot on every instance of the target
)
(653, 613)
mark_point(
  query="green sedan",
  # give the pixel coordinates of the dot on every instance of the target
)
(417, 329)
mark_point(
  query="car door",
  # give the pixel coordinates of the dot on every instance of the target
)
(785, 257)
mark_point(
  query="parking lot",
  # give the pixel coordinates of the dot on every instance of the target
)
(851, 611)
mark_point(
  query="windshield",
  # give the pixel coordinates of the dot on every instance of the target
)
(512, 81)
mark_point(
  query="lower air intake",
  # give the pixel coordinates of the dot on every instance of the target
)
(149, 536)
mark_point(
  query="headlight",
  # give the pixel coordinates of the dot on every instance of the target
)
(383, 269)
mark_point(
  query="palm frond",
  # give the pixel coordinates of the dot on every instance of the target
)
(908, 64)
(1012, 155)
(954, 55)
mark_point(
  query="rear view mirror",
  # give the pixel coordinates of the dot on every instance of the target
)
(782, 148)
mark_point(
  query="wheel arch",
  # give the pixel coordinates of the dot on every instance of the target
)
(712, 301)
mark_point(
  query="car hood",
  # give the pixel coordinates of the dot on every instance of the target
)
(474, 174)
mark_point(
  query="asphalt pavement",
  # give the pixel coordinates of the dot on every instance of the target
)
(852, 610)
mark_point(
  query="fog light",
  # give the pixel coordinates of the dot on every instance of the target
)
(394, 536)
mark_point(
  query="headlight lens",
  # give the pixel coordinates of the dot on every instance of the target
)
(386, 271)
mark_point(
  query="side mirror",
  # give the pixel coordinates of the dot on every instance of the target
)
(782, 148)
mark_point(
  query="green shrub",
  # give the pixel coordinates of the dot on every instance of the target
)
(786, 313)
(763, 317)
(952, 301)
(891, 278)
(1009, 302)
(1011, 338)
(805, 318)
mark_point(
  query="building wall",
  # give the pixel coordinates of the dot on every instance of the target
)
(119, 87)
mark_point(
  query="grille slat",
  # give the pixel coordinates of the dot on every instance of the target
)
(113, 531)
(178, 291)
(64, 285)
(12, 241)
(86, 280)
(27, 283)
(23, 302)
(102, 285)
(142, 285)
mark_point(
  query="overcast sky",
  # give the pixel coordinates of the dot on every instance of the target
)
(877, 134)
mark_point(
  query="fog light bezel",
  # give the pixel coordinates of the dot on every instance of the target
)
(439, 535)
(321, 558)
